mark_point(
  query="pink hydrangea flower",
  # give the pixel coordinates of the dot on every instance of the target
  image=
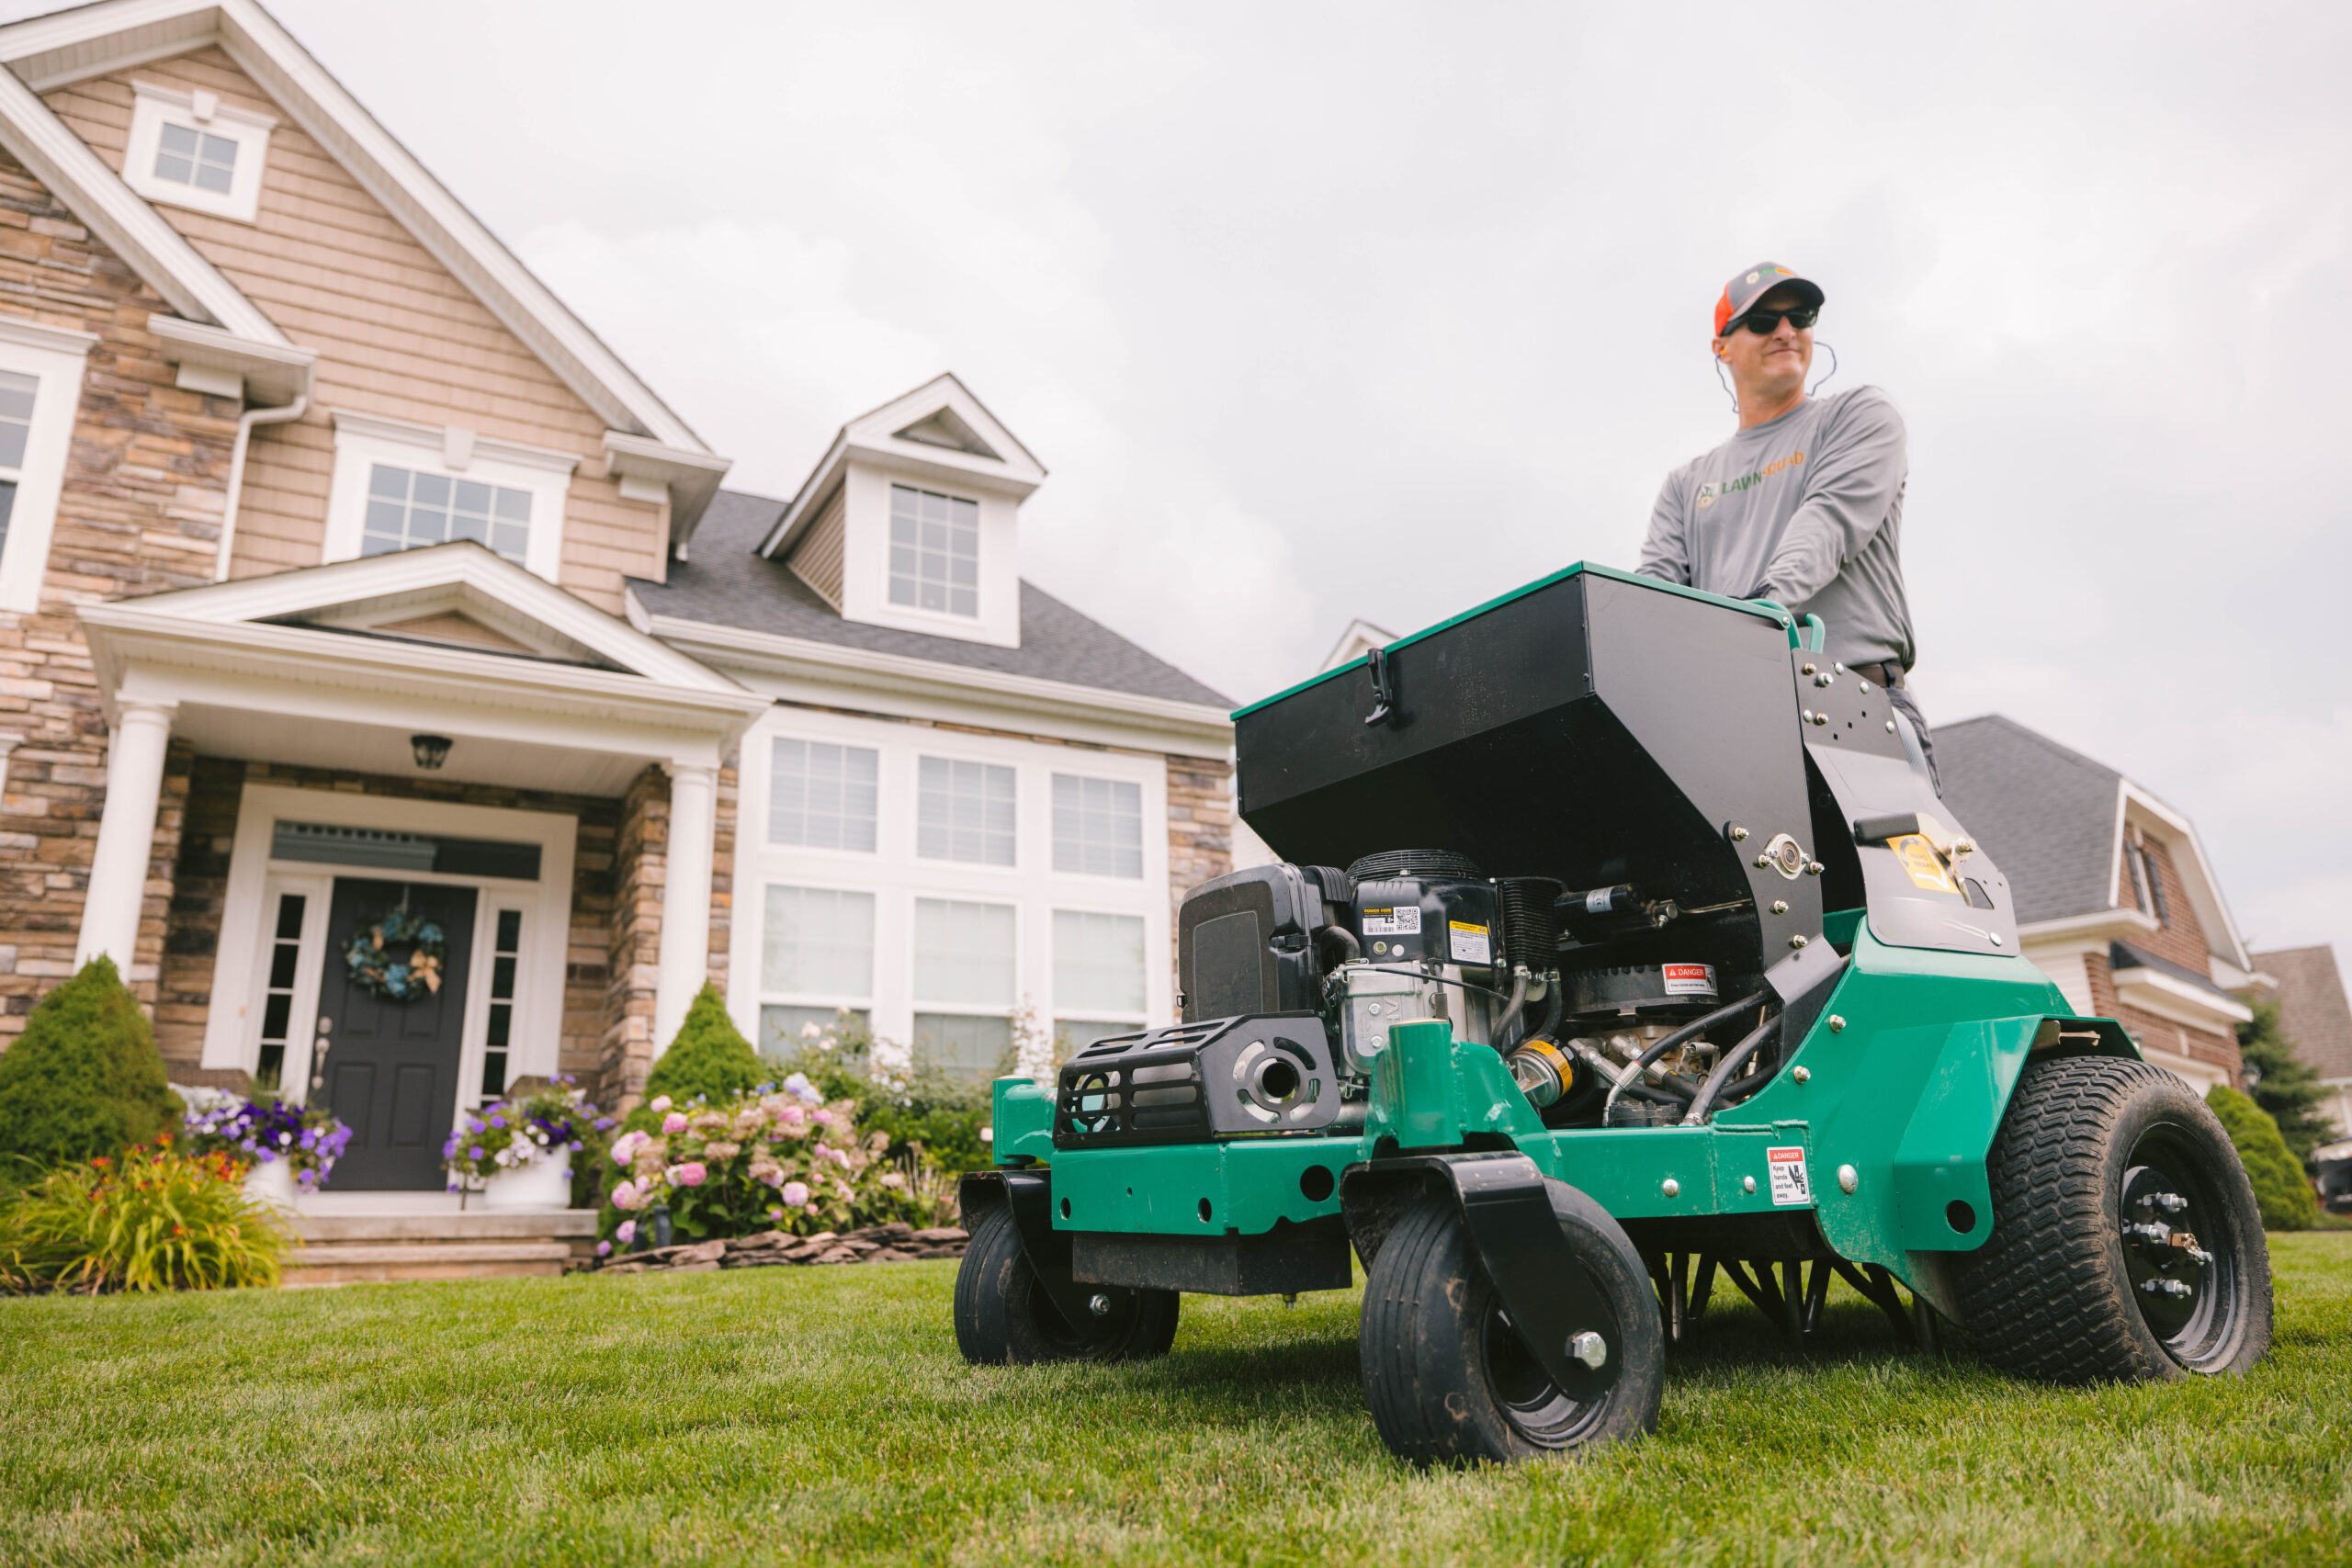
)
(603, 1248)
(691, 1174)
(839, 1158)
(661, 1102)
(626, 1231)
(824, 1119)
(795, 1193)
(626, 1196)
(792, 1116)
(672, 1123)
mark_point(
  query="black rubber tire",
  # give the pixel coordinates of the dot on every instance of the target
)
(2051, 1294)
(1447, 1380)
(1002, 1317)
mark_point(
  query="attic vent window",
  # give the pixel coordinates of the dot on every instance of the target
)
(191, 150)
(934, 551)
(190, 157)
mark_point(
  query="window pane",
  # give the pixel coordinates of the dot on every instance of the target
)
(964, 953)
(216, 158)
(817, 940)
(282, 959)
(1098, 827)
(502, 1018)
(822, 795)
(1098, 961)
(934, 550)
(176, 154)
(784, 1030)
(7, 506)
(1074, 1034)
(972, 1047)
(289, 916)
(963, 811)
(408, 509)
(273, 1018)
(16, 416)
(510, 930)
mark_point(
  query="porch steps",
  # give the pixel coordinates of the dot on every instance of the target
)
(352, 1248)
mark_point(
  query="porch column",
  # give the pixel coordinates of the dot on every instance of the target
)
(126, 846)
(685, 895)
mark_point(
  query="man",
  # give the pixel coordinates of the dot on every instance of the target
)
(1804, 506)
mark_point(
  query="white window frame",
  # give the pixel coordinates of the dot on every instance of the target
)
(455, 452)
(889, 541)
(1084, 1012)
(756, 982)
(155, 106)
(57, 359)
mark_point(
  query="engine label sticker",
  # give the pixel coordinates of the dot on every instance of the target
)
(1467, 943)
(1789, 1183)
(1690, 980)
(1403, 920)
(1919, 858)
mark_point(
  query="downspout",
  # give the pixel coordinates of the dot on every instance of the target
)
(246, 424)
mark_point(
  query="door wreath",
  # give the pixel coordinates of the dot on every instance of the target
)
(397, 956)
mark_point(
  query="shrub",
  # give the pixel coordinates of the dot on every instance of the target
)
(84, 1077)
(148, 1219)
(263, 1131)
(2286, 1199)
(928, 1112)
(709, 1059)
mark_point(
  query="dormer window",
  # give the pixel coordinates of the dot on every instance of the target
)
(192, 150)
(934, 551)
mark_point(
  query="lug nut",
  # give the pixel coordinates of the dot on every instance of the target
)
(1589, 1347)
(1796, 941)
(1099, 1304)
(1780, 906)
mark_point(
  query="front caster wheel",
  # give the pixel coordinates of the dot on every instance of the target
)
(1448, 1378)
(1002, 1314)
(2126, 1243)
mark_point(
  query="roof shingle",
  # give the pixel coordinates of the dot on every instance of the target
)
(2046, 815)
(728, 584)
(2312, 1012)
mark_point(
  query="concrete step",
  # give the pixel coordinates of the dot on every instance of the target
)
(342, 1249)
(435, 1227)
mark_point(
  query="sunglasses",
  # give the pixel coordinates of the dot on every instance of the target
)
(1764, 323)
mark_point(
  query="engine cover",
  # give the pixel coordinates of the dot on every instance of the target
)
(1255, 1076)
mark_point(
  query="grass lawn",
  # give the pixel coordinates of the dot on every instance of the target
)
(782, 1413)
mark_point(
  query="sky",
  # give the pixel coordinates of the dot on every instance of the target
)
(1319, 311)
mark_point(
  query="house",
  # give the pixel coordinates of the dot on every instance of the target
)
(2308, 985)
(355, 599)
(2116, 899)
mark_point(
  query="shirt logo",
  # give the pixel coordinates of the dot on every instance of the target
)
(1708, 492)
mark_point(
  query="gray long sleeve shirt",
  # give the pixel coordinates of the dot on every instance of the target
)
(1806, 510)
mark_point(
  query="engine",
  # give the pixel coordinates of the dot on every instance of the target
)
(1608, 1007)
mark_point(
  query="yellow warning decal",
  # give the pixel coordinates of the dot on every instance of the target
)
(1919, 858)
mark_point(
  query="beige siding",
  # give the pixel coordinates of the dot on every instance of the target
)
(817, 560)
(397, 336)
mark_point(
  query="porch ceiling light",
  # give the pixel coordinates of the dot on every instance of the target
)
(432, 751)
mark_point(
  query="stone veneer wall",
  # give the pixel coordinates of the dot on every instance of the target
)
(633, 940)
(145, 483)
(214, 788)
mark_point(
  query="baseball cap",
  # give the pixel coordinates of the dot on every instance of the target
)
(1741, 293)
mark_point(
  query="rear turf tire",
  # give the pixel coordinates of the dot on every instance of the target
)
(1447, 1378)
(2096, 1158)
(1003, 1316)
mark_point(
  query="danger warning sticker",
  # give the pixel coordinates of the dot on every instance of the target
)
(1690, 979)
(1789, 1183)
(1919, 858)
(1403, 920)
(1468, 943)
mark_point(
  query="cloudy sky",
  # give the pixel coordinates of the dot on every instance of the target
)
(1321, 312)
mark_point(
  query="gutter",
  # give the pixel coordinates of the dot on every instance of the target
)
(282, 414)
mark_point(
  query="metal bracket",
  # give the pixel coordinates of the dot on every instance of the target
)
(1549, 1299)
(1030, 1195)
(1383, 697)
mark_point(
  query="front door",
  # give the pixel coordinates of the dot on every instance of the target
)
(389, 1069)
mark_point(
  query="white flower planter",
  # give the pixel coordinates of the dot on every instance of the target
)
(271, 1181)
(541, 1187)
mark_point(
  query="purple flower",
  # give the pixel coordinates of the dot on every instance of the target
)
(477, 1126)
(602, 1123)
(626, 1231)
(474, 1153)
(602, 1247)
(498, 1121)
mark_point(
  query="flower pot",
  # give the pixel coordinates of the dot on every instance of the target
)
(541, 1186)
(272, 1182)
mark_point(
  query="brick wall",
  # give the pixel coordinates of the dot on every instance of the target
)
(633, 940)
(2182, 937)
(141, 511)
(2210, 1046)
(214, 788)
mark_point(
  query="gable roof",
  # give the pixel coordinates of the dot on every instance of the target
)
(939, 427)
(728, 583)
(2047, 815)
(2312, 1011)
(69, 46)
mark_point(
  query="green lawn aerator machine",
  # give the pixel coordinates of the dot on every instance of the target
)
(1655, 958)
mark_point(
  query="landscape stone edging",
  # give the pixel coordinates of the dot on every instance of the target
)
(897, 1241)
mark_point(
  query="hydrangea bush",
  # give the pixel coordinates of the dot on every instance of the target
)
(782, 1158)
(265, 1132)
(519, 1133)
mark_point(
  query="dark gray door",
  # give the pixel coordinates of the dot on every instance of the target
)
(389, 1069)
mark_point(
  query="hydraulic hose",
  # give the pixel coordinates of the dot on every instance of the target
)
(1609, 1072)
(1682, 1036)
(1518, 980)
(1734, 1060)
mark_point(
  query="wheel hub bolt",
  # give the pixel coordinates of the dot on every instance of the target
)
(2166, 1287)
(1591, 1348)
(1099, 1304)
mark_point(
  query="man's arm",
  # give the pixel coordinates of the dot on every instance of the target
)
(1850, 485)
(1666, 553)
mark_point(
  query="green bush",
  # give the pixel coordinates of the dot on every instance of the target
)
(2286, 1199)
(147, 1220)
(83, 1079)
(709, 1059)
(924, 1107)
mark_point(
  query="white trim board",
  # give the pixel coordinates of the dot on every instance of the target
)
(231, 1030)
(56, 360)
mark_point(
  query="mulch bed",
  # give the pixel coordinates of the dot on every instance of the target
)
(895, 1243)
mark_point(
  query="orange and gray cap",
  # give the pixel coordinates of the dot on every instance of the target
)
(1741, 293)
